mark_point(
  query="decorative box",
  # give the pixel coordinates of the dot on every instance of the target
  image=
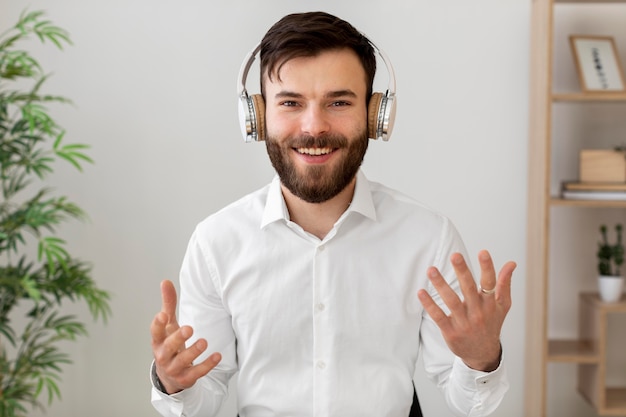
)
(602, 165)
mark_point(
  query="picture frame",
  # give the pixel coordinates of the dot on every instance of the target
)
(597, 64)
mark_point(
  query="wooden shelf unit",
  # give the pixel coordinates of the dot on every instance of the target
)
(592, 376)
(587, 353)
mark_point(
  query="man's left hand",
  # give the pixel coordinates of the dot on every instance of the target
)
(472, 329)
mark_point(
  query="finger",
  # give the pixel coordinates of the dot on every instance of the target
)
(433, 310)
(487, 271)
(187, 376)
(186, 357)
(447, 294)
(465, 277)
(204, 367)
(158, 329)
(503, 290)
(168, 298)
(173, 345)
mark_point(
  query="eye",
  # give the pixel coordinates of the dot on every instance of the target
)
(340, 103)
(288, 103)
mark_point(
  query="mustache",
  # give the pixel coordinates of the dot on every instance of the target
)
(321, 141)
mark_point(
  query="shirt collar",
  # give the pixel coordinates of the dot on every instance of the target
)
(276, 208)
(362, 201)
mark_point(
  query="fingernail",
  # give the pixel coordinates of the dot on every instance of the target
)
(161, 318)
(185, 332)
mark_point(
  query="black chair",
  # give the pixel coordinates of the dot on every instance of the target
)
(416, 410)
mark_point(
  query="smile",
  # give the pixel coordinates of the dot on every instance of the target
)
(314, 151)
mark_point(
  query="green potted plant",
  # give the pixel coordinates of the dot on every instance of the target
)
(37, 271)
(610, 259)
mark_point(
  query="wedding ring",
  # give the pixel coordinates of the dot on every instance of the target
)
(488, 292)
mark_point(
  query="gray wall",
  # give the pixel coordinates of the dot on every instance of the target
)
(154, 86)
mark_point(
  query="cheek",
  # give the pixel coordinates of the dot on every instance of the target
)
(278, 125)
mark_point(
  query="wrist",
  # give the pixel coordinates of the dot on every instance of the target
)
(489, 364)
(156, 381)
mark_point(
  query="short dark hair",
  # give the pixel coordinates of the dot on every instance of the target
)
(309, 34)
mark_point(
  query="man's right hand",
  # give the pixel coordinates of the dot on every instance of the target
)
(174, 361)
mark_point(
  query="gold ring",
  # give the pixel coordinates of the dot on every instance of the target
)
(488, 292)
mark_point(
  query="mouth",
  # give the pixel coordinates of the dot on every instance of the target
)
(314, 151)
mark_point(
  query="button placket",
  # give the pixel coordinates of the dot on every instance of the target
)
(320, 325)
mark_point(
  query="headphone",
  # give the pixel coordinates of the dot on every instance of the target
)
(381, 111)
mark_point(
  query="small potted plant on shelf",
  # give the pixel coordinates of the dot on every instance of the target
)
(610, 259)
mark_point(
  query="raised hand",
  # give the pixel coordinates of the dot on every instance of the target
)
(472, 329)
(174, 361)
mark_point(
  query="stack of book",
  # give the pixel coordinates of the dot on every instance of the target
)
(594, 191)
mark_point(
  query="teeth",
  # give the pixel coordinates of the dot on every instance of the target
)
(315, 151)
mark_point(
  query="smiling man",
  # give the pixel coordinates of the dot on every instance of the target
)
(322, 288)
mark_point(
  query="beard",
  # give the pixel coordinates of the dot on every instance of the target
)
(318, 183)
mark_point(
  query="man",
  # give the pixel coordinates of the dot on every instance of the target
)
(321, 288)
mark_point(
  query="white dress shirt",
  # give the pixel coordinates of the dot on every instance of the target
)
(322, 328)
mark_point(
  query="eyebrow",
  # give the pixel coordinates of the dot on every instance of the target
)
(331, 94)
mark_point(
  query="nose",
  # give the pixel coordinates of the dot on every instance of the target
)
(314, 121)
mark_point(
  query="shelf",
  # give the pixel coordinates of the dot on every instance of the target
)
(615, 401)
(594, 299)
(572, 351)
(608, 401)
(588, 1)
(559, 111)
(589, 97)
(557, 201)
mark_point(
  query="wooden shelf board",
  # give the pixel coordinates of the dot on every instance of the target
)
(594, 299)
(588, 97)
(572, 351)
(557, 201)
(615, 402)
(588, 1)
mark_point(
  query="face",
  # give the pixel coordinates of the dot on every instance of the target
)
(316, 120)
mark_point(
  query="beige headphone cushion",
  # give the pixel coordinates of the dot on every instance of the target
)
(259, 108)
(372, 114)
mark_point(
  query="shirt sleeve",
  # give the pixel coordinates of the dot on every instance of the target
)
(200, 307)
(467, 392)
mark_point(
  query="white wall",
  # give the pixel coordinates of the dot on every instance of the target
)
(154, 86)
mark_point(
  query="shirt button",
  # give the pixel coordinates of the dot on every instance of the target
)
(320, 307)
(321, 364)
(321, 248)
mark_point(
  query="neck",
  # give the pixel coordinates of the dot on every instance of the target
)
(318, 218)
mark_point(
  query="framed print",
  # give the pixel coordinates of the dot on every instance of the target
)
(597, 63)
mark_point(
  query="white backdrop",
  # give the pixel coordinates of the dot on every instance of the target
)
(154, 85)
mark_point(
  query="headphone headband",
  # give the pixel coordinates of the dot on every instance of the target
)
(381, 111)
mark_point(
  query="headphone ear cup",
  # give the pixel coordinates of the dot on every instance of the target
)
(259, 110)
(252, 117)
(381, 114)
(372, 115)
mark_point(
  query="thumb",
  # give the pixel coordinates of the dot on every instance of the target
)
(168, 300)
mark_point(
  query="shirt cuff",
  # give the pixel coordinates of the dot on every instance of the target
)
(154, 378)
(469, 374)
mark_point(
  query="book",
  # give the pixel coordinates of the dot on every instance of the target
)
(593, 191)
(595, 195)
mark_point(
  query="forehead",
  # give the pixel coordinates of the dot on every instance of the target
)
(332, 69)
